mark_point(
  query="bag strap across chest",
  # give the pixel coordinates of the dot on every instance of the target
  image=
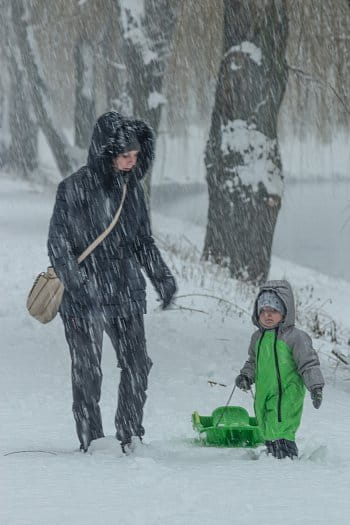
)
(104, 234)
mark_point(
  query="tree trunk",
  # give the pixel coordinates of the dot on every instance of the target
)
(85, 110)
(18, 148)
(37, 88)
(23, 151)
(148, 30)
(242, 158)
(115, 70)
(5, 138)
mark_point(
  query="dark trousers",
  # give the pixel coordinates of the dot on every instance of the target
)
(84, 338)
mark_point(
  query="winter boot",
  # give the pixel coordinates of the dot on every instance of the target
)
(283, 448)
(269, 447)
(83, 448)
(128, 447)
(84, 435)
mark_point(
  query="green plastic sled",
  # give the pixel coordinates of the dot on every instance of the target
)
(229, 426)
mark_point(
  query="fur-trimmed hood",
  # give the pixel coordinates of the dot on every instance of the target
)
(110, 135)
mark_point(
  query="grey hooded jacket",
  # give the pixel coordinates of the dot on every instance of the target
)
(305, 357)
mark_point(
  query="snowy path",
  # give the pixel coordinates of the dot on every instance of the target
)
(169, 480)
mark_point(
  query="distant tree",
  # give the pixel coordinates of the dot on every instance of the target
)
(85, 92)
(316, 107)
(115, 69)
(148, 28)
(3, 125)
(36, 89)
(22, 125)
(18, 128)
(243, 162)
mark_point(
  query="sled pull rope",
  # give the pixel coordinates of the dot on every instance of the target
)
(227, 404)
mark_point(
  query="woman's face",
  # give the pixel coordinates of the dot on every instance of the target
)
(125, 161)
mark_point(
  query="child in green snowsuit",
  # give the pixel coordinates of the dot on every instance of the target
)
(282, 363)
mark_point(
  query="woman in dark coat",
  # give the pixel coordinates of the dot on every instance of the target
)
(106, 292)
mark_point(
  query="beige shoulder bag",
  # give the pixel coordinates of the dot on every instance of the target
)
(46, 294)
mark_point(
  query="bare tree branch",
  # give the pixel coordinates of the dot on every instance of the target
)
(341, 358)
(38, 90)
(311, 78)
(221, 299)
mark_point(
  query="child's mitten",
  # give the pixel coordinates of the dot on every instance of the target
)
(316, 396)
(243, 382)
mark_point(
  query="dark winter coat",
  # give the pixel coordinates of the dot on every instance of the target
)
(109, 282)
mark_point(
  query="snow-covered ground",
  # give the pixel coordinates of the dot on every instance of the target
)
(170, 479)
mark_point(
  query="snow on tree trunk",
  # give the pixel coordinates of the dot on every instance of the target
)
(37, 89)
(18, 128)
(85, 110)
(148, 27)
(243, 162)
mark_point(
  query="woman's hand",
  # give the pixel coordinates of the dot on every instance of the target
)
(167, 289)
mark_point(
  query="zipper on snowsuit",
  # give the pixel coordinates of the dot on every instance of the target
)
(259, 346)
(257, 358)
(279, 403)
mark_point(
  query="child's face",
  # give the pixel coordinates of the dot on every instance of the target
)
(269, 318)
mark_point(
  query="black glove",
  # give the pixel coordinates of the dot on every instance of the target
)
(167, 290)
(316, 396)
(243, 382)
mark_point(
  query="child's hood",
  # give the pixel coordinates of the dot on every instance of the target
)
(284, 291)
